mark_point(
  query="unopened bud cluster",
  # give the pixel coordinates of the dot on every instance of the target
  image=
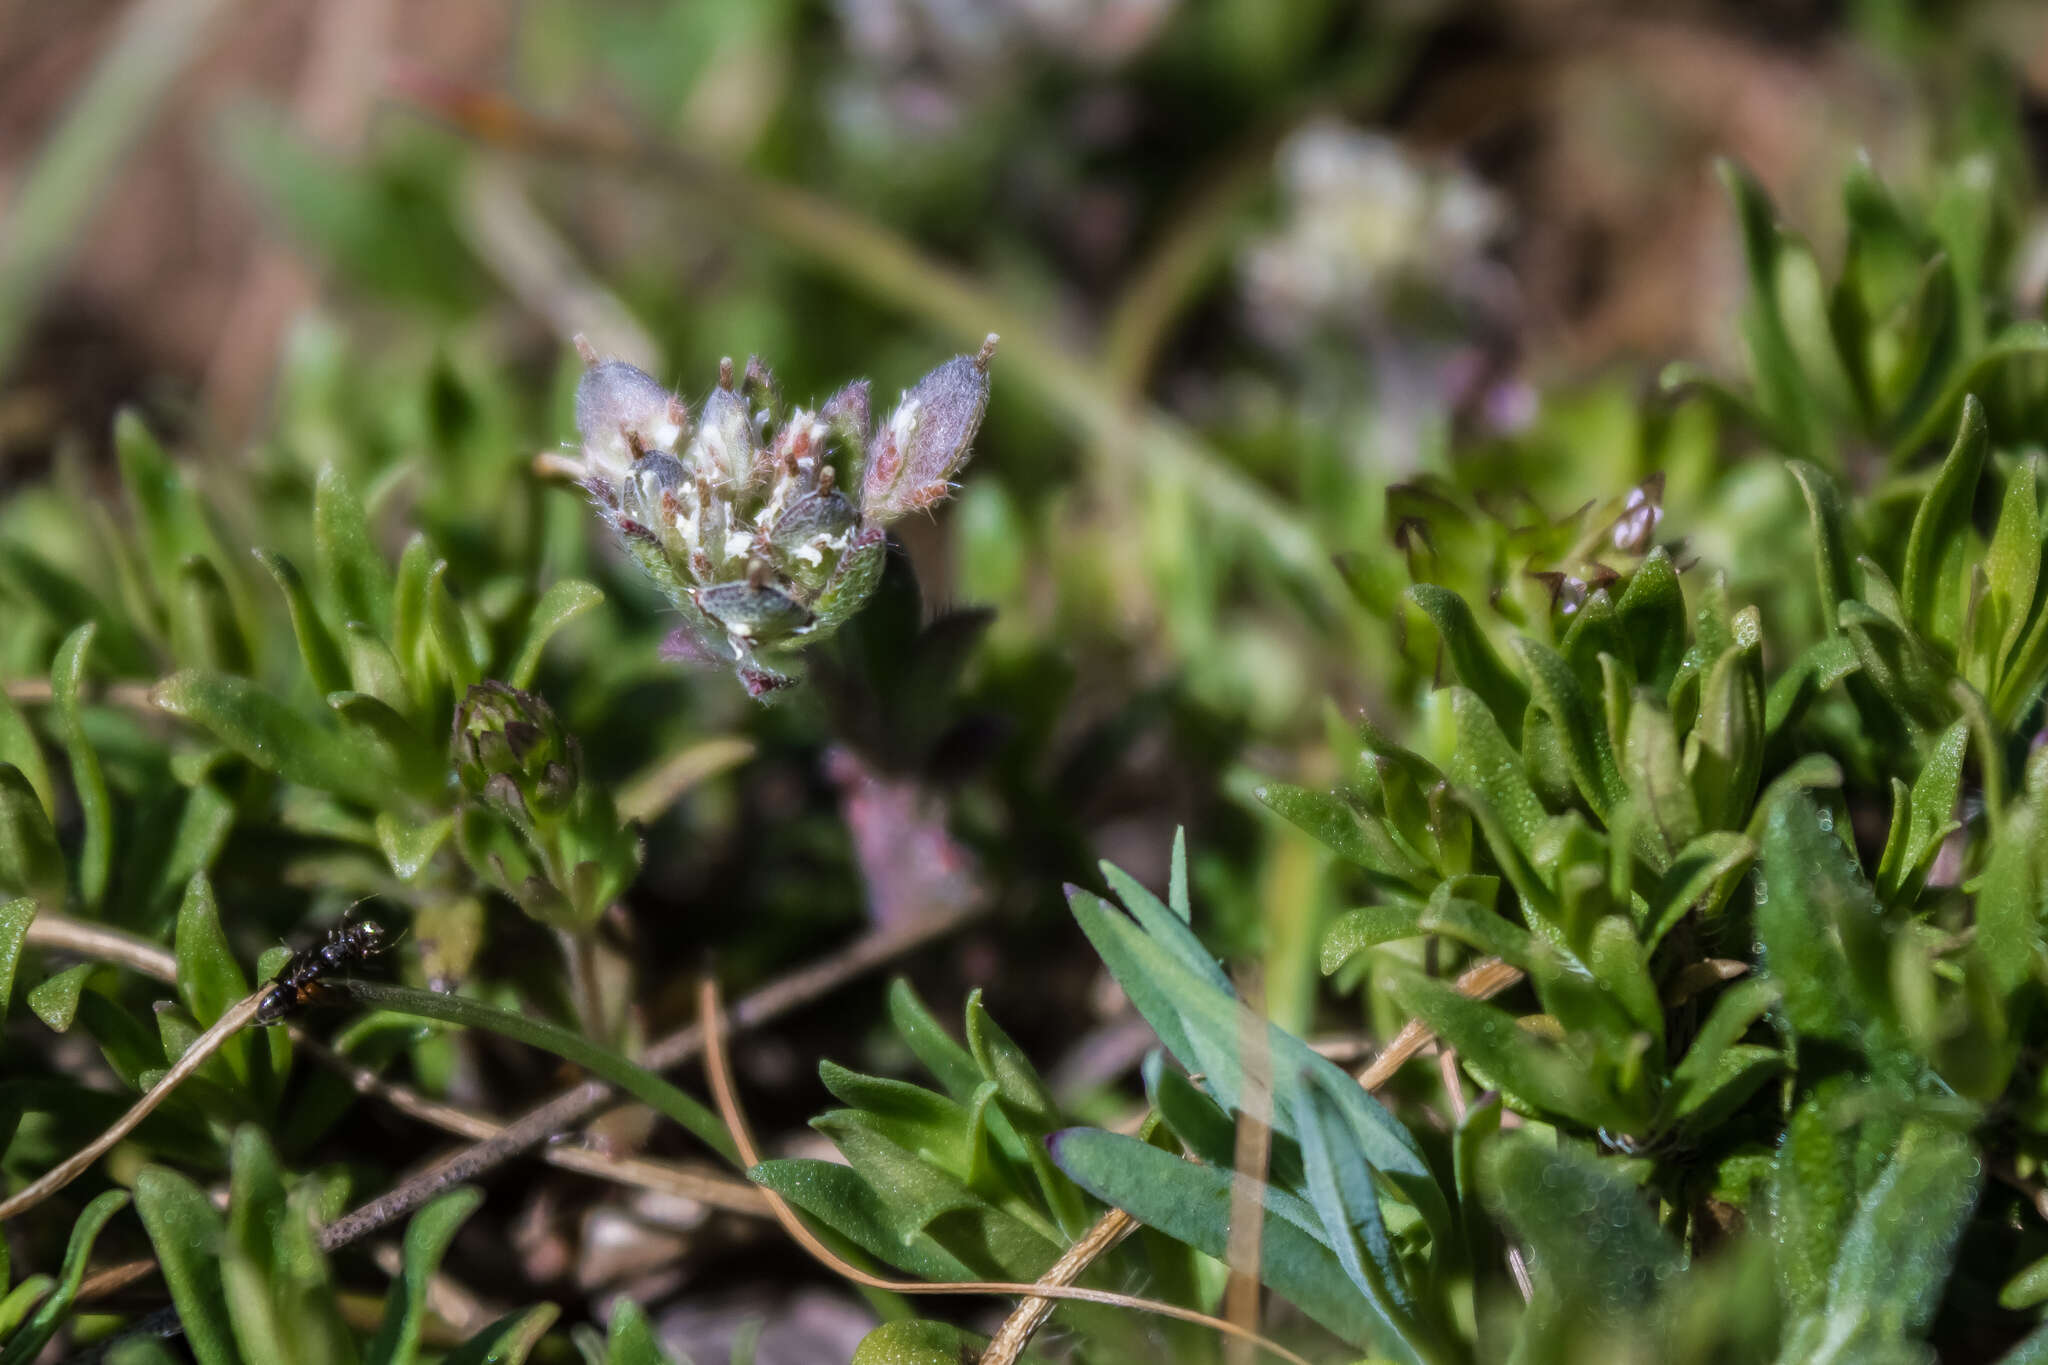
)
(766, 525)
(548, 839)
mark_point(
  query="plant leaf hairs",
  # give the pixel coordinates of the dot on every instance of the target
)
(765, 525)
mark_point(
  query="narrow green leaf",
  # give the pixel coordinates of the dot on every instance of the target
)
(427, 1238)
(317, 648)
(2013, 564)
(1557, 694)
(1651, 612)
(564, 601)
(15, 917)
(271, 734)
(1477, 666)
(353, 573)
(1356, 837)
(1354, 931)
(1002, 1061)
(1816, 920)
(1656, 777)
(450, 633)
(1896, 1255)
(1484, 763)
(1923, 816)
(51, 1313)
(188, 1235)
(909, 1115)
(1782, 390)
(1157, 920)
(96, 852)
(508, 1341)
(1340, 1189)
(31, 863)
(210, 979)
(1833, 552)
(20, 748)
(1535, 1076)
(951, 1064)
(631, 1339)
(1938, 543)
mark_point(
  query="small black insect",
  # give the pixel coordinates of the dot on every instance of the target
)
(300, 982)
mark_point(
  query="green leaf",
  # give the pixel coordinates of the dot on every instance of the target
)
(952, 1065)
(1595, 1247)
(1354, 931)
(1191, 1204)
(2010, 898)
(1651, 613)
(564, 601)
(1484, 764)
(168, 513)
(31, 863)
(1923, 817)
(1899, 1247)
(908, 1115)
(15, 917)
(631, 1339)
(1358, 838)
(2017, 341)
(317, 648)
(272, 735)
(508, 1341)
(427, 1238)
(20, 748)
(450, 632)
(2012, 566)
(188, 1235)
(838, 1197)
(1833, 552)
(352, 572)
(1537, 1077)
(1475, 924)
(1724, 753)
(1656, 777)
(1477, 666)
(1002, 1061)
(1558, 695)
(919, 1341)
(1340, 1189)
(1939, 544)
(1783, 394)
(1159, 921)
(1817, 926)
(96, 851)
(51, 1313)
(282, 1303)
(409, 845)
(210, 979)
(54, 1000)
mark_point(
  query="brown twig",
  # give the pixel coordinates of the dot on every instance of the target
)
(1030, 1314)
(718, 1069)
(75, 1165)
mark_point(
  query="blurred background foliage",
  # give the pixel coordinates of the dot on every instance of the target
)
(1299, 303)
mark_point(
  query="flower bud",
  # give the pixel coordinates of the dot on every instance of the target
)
(621, 412)
(753, 612)
(912, 460)
(511, 751)
(727, 448)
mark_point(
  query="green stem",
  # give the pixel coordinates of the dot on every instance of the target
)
(601, 1062)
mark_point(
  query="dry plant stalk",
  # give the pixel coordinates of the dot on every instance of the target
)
(75, 1165)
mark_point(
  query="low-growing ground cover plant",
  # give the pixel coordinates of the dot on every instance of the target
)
(1698, 926)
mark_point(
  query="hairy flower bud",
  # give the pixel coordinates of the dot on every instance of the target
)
(911, 460)
(621, 413)
(511, 751)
